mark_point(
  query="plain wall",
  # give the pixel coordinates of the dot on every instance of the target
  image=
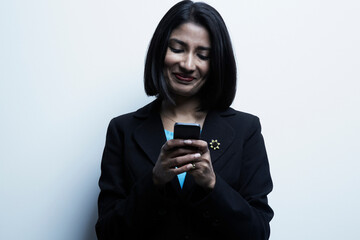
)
(68, 67)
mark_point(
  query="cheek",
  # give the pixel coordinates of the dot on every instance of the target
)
(170, 59)
(169, 62)
(205, 69)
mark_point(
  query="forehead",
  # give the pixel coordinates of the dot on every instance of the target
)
(192, 34)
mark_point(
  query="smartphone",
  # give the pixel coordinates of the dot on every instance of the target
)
(187, 131)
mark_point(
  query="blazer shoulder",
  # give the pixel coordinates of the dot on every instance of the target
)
(240, 115)
(122, 119)
(135, 117)
(242, 122)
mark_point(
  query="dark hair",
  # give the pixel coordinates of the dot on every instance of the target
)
(219, 89)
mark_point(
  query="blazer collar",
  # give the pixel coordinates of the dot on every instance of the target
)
(217, 133)
(150, 134)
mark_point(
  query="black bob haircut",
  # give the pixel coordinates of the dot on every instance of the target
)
(219, 89)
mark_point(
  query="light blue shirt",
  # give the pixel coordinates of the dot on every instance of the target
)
(170, 135)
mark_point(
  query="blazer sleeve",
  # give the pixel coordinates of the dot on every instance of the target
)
(244, 213)
(123, 210)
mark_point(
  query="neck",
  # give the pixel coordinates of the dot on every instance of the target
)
(185, 110)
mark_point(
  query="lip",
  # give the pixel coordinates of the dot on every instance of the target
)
(183, 77)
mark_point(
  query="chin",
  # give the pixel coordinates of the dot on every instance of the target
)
(183, 92)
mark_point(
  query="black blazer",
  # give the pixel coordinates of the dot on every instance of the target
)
(131, 207)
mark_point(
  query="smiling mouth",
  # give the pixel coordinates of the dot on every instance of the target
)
(184, 77)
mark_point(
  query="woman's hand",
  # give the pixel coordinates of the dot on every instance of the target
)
(178, 156)
(203, 171)
(174, 158)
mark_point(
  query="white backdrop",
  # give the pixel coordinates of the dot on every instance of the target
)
(67, 67)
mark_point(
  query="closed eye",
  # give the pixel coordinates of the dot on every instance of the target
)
(203, 57)
(175, 50)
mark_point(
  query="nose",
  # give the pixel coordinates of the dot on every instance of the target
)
(188, 63)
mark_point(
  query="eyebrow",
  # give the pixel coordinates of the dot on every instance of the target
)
(184, 44)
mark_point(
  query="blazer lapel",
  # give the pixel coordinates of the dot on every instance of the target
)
(217, 133)
(217, 129)
(150, 134)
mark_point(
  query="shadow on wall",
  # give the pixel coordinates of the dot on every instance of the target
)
(89, 233)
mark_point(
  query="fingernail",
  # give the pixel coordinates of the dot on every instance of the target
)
(188, 141)
(197, 155)
(189, 166)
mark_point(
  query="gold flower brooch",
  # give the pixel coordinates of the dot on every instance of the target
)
(214, 144)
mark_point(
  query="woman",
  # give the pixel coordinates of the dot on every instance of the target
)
(156, 187)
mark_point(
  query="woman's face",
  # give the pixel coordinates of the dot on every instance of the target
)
(186, 64)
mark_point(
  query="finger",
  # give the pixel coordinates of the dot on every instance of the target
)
(169, 145)
(194, 165)
(182, 169)
(174, 143)
(200, 144)
(183, 160)
(166, 147)
(177, 152)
